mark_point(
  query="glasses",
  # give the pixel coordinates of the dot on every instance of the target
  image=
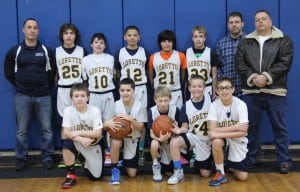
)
(225, 88)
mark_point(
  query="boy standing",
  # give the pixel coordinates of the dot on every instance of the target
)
(228, 125)
(169, 67)
(162, 97)
(193, 133)
(131, 110)
(81, 133)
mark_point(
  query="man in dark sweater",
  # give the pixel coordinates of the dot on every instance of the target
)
(30, 68)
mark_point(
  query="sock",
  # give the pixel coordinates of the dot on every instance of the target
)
(177, 164)
(108, 150)
(220, 167)
(155, 162)
(71, 169)
(114, 165)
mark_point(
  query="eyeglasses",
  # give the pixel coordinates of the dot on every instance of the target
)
(225, 88)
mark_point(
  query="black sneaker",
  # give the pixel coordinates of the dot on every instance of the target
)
(284, 168)
(48, 164)
(20, 164)
(70, 180)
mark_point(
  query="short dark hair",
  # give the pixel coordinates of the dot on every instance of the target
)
(166, 35)
(67, 26)
(99, 36)
(193, 77)
(235, 14)
(30, 19)
(263, 11)
(128, 81)
(79, 87)
(131, 27)
(221, 79)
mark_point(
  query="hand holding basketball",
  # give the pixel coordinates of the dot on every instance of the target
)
(122, 131)
(162, 124)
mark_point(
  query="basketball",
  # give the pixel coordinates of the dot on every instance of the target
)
(123, 131)
(162, 123)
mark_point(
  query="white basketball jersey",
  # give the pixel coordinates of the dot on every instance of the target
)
(133, 66)
(171, 112)
(199, 66)
(198, 118)
(167, 71)
(99, 70)
(69, 65)
(89, 120)
(137, 112)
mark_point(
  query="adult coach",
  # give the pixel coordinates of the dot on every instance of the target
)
(264, 84)
(28, 67)
(226, 49)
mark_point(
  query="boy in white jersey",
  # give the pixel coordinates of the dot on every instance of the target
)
(82, 131)
(193, 133)
(169, 67)
(68, 60)
(201, 60)
(131, 63)
(129, 109)
(228, 125)
(162, 97)
(98, 70)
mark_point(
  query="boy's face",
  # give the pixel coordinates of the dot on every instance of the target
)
(79, 98)
(69, 38)
(132, 37)
(126, 92)
(225, 90)
(98, 46)
(198, 40)
(162, 103)
(166, 45)
(197, 88)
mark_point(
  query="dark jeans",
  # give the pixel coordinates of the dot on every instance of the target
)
(25, 107)
(275, 107)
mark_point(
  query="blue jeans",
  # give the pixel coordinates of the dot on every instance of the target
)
(275, 107)
(25, 107)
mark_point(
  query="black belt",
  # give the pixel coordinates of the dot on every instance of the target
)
(101, 92)
(208, 84)
(140, 84)
(65, 86)
(176, 90)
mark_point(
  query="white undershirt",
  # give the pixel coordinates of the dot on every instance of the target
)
(262, 40)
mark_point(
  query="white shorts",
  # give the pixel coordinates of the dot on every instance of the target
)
(93, 158)
(208, 90)
(129, 148)
(237, 149)
(141, 94)
(176, 99)
(105, 102)
(63, 99)
(201, 147)
(165, 153)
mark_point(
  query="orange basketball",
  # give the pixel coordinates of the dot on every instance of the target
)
(123, 131)
(162, 123)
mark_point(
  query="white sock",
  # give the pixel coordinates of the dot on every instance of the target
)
(155, 162)
(220, 167)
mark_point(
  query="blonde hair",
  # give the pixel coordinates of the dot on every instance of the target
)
(200, 29)
(162, 91)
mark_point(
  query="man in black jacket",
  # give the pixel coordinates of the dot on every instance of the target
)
(29, 68)
(263, 60)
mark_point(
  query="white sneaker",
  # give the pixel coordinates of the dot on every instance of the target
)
(177, 176)
(156, 173)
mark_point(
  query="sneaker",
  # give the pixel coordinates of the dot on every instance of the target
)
(157, 172)
(48, 164)
(284, 168)
(141, 158)
(61, 164)
(177, 176)
(218, 179)
(107, 162)
(115, 176)
(183, 161)
(70, 180)
(20, 164)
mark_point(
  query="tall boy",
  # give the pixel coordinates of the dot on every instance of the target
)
(162, 97)
(193, 133)
(81, 133)
(228, 125)
(129, 109)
